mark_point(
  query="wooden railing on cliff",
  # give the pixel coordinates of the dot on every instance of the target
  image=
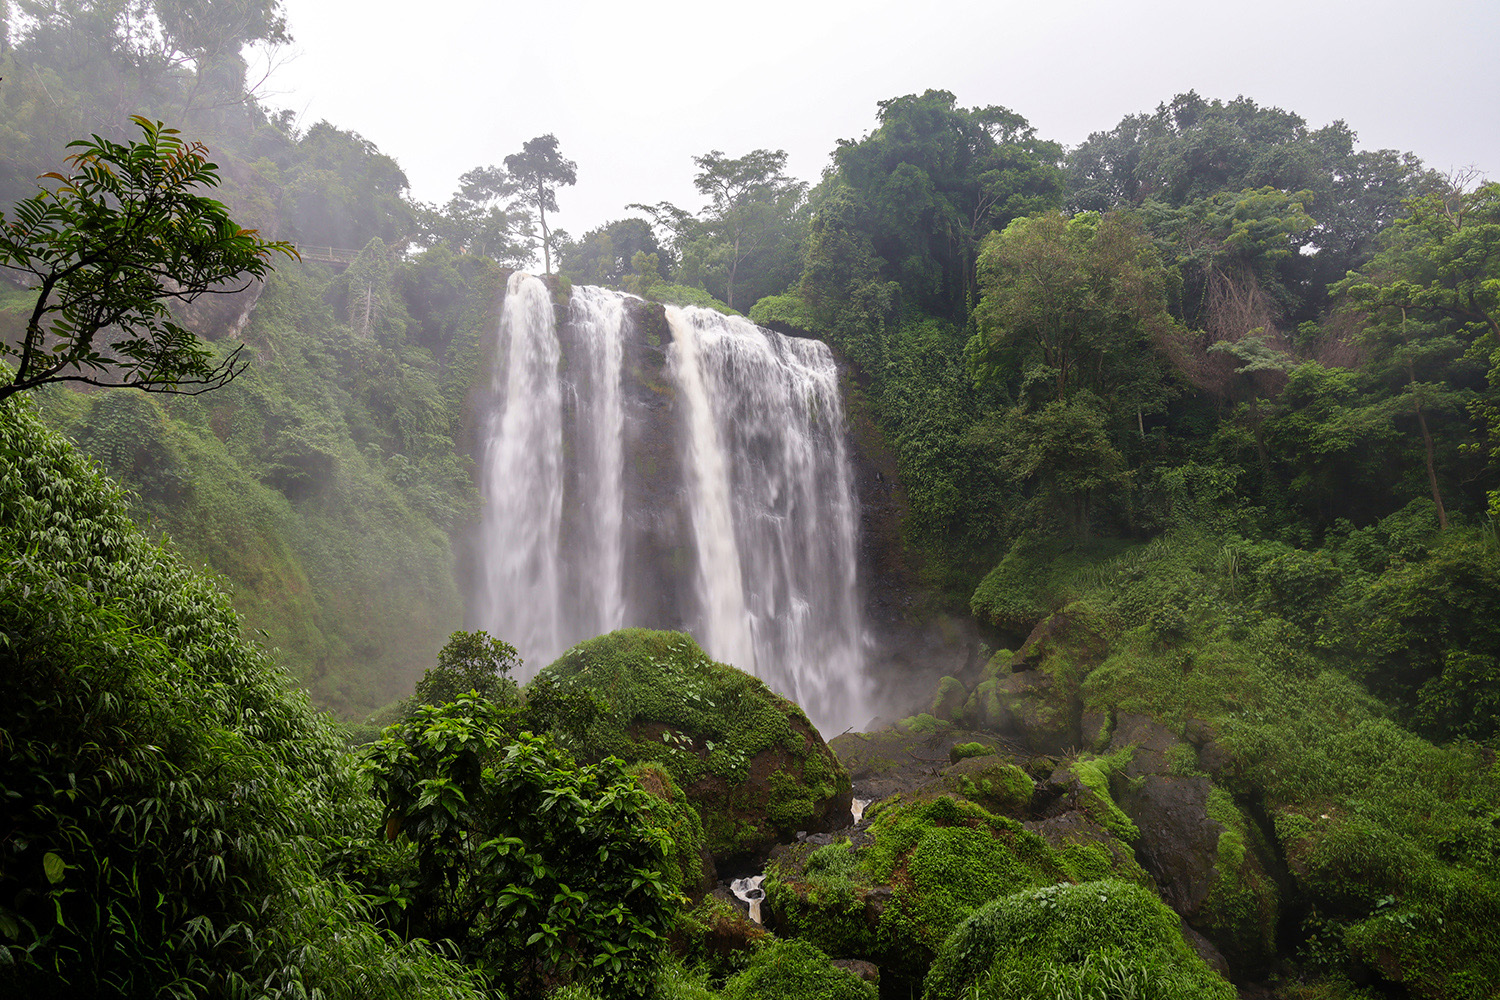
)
(338, 256)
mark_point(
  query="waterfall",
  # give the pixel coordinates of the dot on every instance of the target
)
(521, 478)
(725, 632)
(700, 484)
(774, 510)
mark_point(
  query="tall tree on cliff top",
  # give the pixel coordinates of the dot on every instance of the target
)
(751, 200)
(542, 170)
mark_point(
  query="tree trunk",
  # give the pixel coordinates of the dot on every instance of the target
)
(1437, 495)
(546, 244)
(734, 263)
(1416, 404)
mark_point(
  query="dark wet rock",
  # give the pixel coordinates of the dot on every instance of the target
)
(1154, 744)
(1178, 841)
(1095, 729)
(867, 971)
(875, 902)
(1205, 949)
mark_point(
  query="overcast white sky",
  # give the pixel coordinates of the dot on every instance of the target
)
(633, 90)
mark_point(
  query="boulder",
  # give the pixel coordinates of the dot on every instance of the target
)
(1042, 712)
(985, 709)
(992, 782)
(747, 759)
(948, 702)
(1211, 862)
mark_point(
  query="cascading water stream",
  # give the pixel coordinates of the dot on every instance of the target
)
(548, 579)
(774, 510)
(726, 630)
(598, 316)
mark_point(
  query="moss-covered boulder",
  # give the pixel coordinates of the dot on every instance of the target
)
(948, 702)
(990, 781)
(985, 709)
(893, 895)
(746, 758)
(1212, 863)
(1100, 938)
(718, 938)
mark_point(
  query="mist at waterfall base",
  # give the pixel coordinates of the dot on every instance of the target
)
(712, 494)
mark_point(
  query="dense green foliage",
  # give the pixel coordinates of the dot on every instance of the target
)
(537, 869)
(168, 796)
(107, 248)
(1218, 387)
(1388, 839)
(324, 482)
(795, 970)
(470, 662)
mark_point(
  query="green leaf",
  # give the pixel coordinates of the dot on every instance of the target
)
(54, 866)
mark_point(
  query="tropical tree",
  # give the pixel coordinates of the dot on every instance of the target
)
(1075, 304)
(934, 179)
(107, 248)
(541, 170)
(751, 209)
(1432, 293)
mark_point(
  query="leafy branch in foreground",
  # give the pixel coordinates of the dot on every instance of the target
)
(120, 237)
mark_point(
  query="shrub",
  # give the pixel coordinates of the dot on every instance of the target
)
(166, 792)
(795, 970)
(537, 869)
(1099, 939)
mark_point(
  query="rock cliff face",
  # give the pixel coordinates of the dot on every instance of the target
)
(659, 535)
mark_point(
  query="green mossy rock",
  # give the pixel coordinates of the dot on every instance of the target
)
(948, 702)
(927, 863)
(690, 868)
(1104, 938)
(1243, 907)
(985, 709)
(718, 938)
(1038, 709)
(746, 758)
(989, 781)
(963, 751)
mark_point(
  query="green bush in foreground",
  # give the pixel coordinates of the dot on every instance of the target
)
(794, 970)
(1108, 940)
(538, 869)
